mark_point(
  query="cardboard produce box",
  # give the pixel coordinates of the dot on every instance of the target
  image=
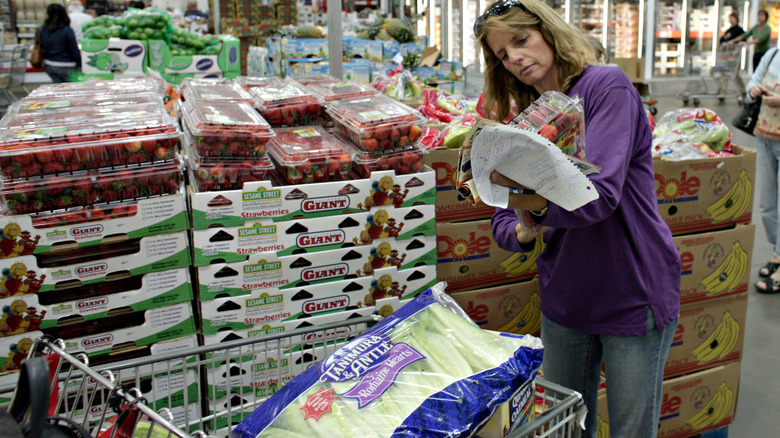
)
(469, 258)
(159, 215)
(512, 308)
(450, 205)
(281, 203)
(315, 234)
(709, 333)
(290, 307)
(715, 263)
(267, 270)
(113, 55)
(31, 312)
(691, 404)
(227, 60)
(25, 275)
(706, 193)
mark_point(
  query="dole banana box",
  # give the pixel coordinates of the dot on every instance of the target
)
(358, 48)
(691, 404)
(235, 244)
(160, 215)
(706, 193)
(268, 270)
(227, 60)
(297, 48)
(511, 308)
(129, 331)
(468, 257)
(31, 312)
(450, 205)
(715, 263)
(709, 333)
(304, 304)
(44, 273)
(233, 208)
(113, 55)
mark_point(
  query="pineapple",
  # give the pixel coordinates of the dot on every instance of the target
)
(398, 30)
(308, 32)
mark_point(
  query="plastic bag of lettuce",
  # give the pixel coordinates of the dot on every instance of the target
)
(426, 370)
(691, 126)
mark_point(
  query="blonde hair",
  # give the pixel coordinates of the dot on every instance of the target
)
(571, 50)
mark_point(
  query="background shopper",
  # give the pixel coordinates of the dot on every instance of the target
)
(610, 274)
(764, 83)
(61, 55)
(78, 18)
(758, 35)
(734, 31)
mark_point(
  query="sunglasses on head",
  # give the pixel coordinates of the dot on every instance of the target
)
(498, 9)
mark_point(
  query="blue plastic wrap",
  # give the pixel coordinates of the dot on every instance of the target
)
(426, 370)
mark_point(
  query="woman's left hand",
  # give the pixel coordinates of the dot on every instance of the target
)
(771, 99)
(518, 201)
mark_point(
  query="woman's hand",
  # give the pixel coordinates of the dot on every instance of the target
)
(756, 90)
(527, 230)
(771, 99)
(519, 201)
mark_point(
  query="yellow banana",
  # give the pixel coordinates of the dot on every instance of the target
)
(528, 320)
(733, 329)
(524, 262)
(715, 410)
(712, 342)
(729, 274)
(602, 429)
(727, 200)
(720, 274)
(511, 259)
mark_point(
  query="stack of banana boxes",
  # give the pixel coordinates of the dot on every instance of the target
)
(707, 204)
(497, 288)
(276, 254)
(107, 268)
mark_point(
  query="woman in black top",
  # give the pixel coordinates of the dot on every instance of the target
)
(734, 31)
(61, 55)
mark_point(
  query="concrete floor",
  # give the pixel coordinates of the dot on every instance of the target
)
(757, 401)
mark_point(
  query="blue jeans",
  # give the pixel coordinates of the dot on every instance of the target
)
(59, 74)
(767, 175)
(634, 366)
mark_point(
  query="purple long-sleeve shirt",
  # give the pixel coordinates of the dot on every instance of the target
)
(608, 260)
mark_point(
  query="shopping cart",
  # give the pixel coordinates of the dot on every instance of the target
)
(726, 68)
(206, 391)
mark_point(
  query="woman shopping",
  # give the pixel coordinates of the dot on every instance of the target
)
(765, 83)
(758, 35)
(610, 273)
(61, 55)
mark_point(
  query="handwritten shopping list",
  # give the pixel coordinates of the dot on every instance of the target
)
(533, 162)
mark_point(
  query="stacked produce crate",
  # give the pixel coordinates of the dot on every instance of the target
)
(301, 239)
(95, 248)
(707, 203)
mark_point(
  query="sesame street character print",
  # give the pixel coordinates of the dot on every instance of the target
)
(396, 290)
(10, 246)
(17, 353)
(12, 280)
(13, 316)
(397, 197)
(395, 260)
(393, 230)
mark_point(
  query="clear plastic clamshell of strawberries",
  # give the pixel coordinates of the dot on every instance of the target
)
(89, 187)
(82, 138)
(226, 129)
(333, 91)
(317, 78)
(309, 154)
(226, 173)
(97, 87)
(215, 91)
(286, 103)
(403, 160)
(558, 118)
(42, 105)
(376, 123)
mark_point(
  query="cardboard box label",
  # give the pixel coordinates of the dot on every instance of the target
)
(113, 55)
(450, 205)
(316, 234)
(513, 308)
(264, 200)
(707, 193)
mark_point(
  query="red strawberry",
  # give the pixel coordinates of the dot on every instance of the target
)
(314, 109)
(144, 177)
(386, 144)
(403, 141)
(56, 184)
(217, 172)
(105, 182)
(273, 116)
(394, 133)
(302, 109)
(162, 152)
(64, 155)
(548, 131)
(131, 192)
(382, 132)
(64, 201)
(172, 185)
(53, 167)
(44, 155)
(133, 146)
(409, 157)
(370, 144)
(109, 195)
(83, 185)
(404, 129)
(149, 145)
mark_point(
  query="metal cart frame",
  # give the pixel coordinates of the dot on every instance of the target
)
(191, 375)
(726, 68)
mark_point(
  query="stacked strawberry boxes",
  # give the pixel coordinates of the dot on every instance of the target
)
(94, 222)
(314, 243)
(707, 204)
